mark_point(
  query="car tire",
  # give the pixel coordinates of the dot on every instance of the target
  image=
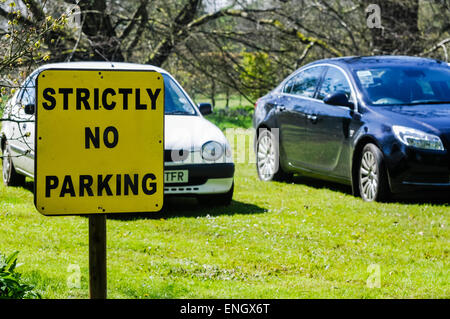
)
(268, 159)
(9, 173)
(372, 177)
(217, 199)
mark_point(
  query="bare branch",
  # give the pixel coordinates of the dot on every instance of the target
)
(140, 12)
(436, 47)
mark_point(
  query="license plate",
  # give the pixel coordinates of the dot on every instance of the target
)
(176, 176)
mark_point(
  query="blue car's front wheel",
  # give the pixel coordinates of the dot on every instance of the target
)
(268, 158)
(372, 177)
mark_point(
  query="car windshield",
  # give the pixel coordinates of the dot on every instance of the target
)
(176, 102)
(405, 85)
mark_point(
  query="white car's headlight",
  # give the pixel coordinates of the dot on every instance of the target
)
(418, 139)
(228, 152)
(212, 151)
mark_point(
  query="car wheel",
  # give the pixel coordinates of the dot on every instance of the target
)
(10, 176)
(372, 177)
(268, 159)
(217, 199)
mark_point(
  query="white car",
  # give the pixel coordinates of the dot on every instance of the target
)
(197, 156)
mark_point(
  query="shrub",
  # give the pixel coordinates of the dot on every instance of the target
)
(259, 73)
(11, 286)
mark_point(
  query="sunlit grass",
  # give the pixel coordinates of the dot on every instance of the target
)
(276, 240)
(305, 239)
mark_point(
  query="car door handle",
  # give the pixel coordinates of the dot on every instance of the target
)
(281, 107)
(313, 118)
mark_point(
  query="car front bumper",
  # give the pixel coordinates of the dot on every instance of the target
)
(414, 170)
(215, 178)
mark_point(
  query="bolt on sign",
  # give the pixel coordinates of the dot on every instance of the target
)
(99, 141)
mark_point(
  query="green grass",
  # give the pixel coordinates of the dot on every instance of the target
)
(220, 99)
(276, 240)
(305, 239)
(236, 117)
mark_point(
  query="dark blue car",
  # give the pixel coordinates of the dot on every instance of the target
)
(380, 124)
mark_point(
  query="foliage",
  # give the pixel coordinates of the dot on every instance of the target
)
(201, 41)
(25, 41)
(11, 286)
(258, 73)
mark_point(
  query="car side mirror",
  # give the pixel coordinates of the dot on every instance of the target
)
(338, 98)
(205, 108)
(29, 109)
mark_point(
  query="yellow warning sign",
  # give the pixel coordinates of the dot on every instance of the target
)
(99, 142)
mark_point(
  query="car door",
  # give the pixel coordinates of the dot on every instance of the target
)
(297, 100)
(24, 130)
(328, 125)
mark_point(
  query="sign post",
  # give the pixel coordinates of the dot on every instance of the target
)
(97, 256)
(99, 150)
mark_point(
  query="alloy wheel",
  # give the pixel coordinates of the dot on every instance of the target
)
(266, 156)
(369, 176)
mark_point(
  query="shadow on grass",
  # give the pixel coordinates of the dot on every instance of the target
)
(318, 184)
(175, 206)
(29, 185)
(432, 197)
(182, 206)
(424, 197)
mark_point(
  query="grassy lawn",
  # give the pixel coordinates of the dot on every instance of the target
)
(234, 100)
(305, 239)
(236, 117)
(276, 240)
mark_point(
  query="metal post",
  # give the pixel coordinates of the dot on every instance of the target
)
(97, 256)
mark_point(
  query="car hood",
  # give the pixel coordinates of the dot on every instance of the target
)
(189, 132)
(431, 116)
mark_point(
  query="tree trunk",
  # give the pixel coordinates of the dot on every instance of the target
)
(227, 97)
(98, 28)
(177, 34)
(213, 93)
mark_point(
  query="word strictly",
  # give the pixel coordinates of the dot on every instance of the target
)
(95, 99)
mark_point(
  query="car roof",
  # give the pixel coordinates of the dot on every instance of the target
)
(356, 62)
(101, 65)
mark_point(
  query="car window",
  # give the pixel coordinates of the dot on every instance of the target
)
(28, 94)
(405, 85)
(305, 82)
(334, 81)
(175, 101)
(288, 86)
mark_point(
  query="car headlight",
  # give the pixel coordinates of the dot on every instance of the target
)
(418, 139)
(212, 151)
(228, 152)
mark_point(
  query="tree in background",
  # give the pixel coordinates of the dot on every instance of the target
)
(242, 47)
(23, 42)
(258, 75)
(400, 27)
